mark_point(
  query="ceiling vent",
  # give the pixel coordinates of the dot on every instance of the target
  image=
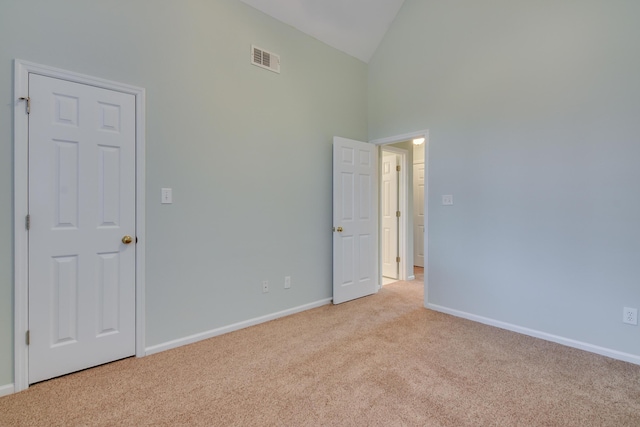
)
(264, 59)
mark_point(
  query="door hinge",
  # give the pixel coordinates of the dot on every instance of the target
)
(28, 337)
(398, 214)
(397, 259)
(28, 100)
(27, 222)
(398, 168)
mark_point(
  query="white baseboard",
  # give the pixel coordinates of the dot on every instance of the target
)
(6, 389)
(234, 327)
(614, 354)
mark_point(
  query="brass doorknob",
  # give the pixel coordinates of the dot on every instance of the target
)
(127, 239)
(339, 229)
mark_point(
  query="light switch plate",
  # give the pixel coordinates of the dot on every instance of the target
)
(447, 200)
(166, 196)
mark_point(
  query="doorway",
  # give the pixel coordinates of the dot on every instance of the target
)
(412, 224)
(71, 186)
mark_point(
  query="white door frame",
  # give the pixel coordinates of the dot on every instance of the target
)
(404, 249)
(21, 205)
(403, 207)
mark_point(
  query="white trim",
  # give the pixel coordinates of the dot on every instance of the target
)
(603, 351)
(6, 389)
(21, 205)
(401, 138)
(403, 207)
(20, 245)
(233, 327)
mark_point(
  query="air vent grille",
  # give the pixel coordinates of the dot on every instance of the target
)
(265, 59)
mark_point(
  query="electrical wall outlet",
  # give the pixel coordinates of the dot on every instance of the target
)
(265, 286)
(287, 282)
(447, 200)
(630, 315)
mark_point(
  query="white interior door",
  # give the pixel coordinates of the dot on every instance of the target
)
(389, 209)
(355, 219)
(81, 204)
(418, 214)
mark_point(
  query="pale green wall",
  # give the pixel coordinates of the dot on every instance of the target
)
(246, 151)
(533, 111)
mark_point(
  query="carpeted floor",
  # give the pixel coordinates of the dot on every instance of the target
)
(383, 360)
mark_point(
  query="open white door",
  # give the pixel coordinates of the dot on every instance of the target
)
(418, 214)
(390, 219)
(355, 219)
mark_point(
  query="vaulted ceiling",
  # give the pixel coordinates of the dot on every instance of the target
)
(355, 27)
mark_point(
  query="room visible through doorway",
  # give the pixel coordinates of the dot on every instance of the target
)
(412, 151)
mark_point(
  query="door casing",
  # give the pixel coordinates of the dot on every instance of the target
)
(22, 69)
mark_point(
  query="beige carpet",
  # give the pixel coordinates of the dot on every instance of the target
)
(378, 361)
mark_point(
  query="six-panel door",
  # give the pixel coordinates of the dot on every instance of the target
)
(82, 204)
(355, 202)
(390, 221)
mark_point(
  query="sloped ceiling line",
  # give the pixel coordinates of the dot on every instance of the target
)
(355, 27)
